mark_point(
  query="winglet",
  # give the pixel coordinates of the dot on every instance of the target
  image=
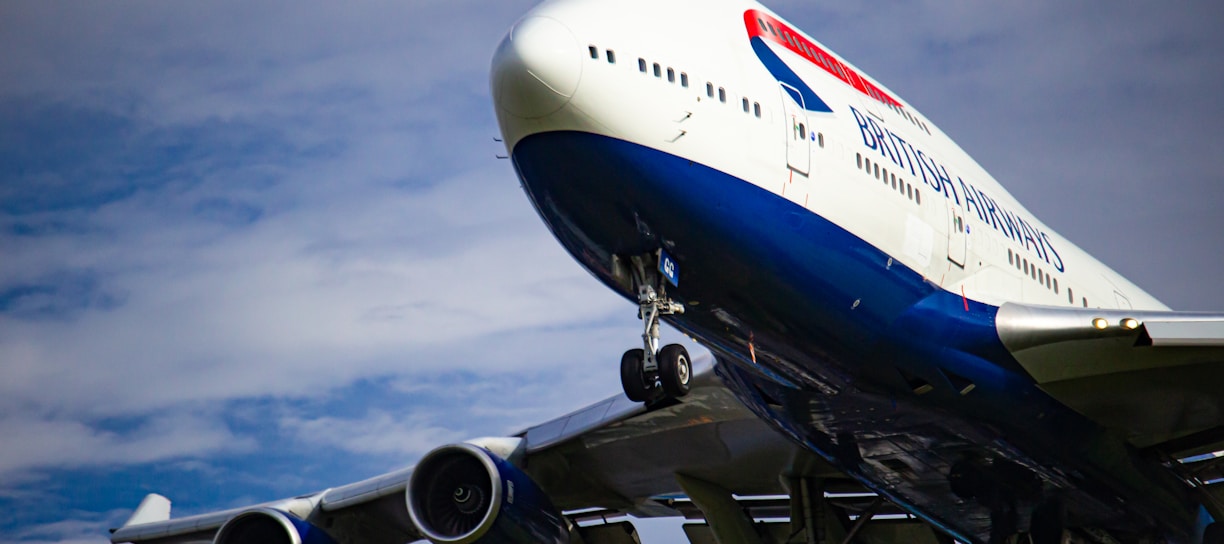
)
(152, 509)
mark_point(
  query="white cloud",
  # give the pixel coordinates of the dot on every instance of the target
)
(78, 528)
(34, 443)
(378, 433)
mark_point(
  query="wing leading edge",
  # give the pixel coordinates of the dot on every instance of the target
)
(1156, 376)
(614, 455)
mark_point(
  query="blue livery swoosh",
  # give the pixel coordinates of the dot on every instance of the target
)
(784, 74)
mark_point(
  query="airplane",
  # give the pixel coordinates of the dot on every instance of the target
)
(893, 335)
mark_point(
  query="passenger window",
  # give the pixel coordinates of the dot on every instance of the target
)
(917, 196)
(658, 70)
(709, 89)
(1009, 256)
(858, 157)
(877, 170)
(820, 139)
(1085, 299)
(1055, 286)
(671, 75)
(594, 52)
(722, 95)
(868, 161)
(745, 102)
(611, 57)
(909, 191)
(756, 109)
(642, 65)
(683, 80)
(1026, 267)
(1070, 296)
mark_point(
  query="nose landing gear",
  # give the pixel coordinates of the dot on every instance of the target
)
(650, 374)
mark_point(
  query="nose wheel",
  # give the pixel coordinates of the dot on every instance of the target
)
(650, 374)
(671, 380)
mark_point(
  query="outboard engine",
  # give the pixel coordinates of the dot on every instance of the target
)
(269, 526)
(465, 494)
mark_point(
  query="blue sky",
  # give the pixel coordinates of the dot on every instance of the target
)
(249, 251)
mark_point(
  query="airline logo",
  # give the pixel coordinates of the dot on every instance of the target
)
(764, 28)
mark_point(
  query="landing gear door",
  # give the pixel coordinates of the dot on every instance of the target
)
(798, 140)
(958, 237)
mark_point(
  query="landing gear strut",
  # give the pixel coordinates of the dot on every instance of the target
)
(651, 374)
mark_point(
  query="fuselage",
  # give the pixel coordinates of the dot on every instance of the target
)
(841, 255)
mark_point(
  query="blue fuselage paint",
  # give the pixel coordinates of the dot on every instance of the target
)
(851, 354)
(799, 91)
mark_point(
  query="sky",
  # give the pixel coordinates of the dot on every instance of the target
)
(251, 250)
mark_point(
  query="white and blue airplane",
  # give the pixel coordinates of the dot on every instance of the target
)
(901, 351)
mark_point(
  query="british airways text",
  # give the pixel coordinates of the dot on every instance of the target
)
(935, 175)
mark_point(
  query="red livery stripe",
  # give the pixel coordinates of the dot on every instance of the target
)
(769, 28)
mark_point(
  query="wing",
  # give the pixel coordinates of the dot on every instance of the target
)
(611, 458)
(1156, 376)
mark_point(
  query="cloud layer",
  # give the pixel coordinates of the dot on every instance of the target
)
(248, 251)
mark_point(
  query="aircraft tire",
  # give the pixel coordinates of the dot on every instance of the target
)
(675, 370)
(632, 379)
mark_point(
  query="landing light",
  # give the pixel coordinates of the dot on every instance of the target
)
(1100, 323)
(1130, 323)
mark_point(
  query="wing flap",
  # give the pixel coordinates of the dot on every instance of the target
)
(1185, 333)
(1156, 376)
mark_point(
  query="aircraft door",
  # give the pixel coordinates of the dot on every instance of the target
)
(958, 238)
(798, 139)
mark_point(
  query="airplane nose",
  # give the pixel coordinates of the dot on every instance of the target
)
(536, 68)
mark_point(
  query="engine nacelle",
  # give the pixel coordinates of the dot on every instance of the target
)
(464, 494)
(269, 526)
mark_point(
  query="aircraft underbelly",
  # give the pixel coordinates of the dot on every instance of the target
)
(892, 379)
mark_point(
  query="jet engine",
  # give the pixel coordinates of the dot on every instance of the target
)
(269, 526)
(465, 494)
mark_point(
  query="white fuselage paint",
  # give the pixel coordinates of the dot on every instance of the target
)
(707, 42)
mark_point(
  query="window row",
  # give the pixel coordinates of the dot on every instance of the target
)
(906, 114)
(610, 54)
(658, 71)
(1041, 276)
(898, 184)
